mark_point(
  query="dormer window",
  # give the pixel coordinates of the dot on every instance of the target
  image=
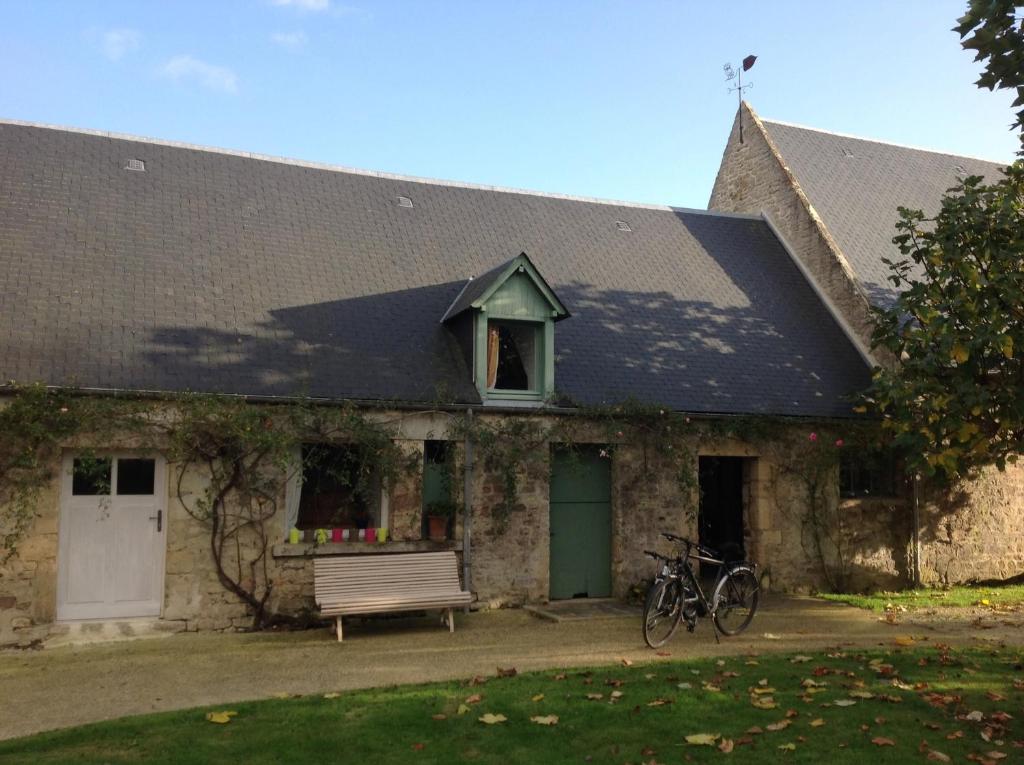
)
(504, 321)
(513, 355)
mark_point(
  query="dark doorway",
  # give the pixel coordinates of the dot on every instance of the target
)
(720, 521)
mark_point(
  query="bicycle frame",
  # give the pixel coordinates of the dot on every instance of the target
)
(680, 568)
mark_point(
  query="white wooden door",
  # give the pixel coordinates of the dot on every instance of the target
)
(112, 537)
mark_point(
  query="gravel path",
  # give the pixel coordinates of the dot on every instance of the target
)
(59, 687)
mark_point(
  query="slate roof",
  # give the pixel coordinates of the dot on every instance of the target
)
(219, 271)
(856, 186)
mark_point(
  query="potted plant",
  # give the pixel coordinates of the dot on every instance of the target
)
(438, 516)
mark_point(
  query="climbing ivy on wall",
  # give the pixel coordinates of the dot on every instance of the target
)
(233, 459)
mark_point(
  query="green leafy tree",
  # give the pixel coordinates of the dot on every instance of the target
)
(955, 401)
(993, 28)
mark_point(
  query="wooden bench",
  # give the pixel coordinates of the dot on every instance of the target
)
(373, 584)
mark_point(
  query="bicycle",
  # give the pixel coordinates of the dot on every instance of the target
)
(676, 594)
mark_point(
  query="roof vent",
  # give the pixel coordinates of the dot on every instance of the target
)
(847, 152)
(136, 164)
(621, 225)
(960, 169)
(404, 202)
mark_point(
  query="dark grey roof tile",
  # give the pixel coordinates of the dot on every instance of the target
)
(217, 272)
(856, 186)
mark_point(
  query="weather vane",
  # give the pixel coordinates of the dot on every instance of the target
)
(737, 75)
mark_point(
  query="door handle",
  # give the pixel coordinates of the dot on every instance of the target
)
(159, 518)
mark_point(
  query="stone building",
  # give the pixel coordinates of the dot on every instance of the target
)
(140, 267)
(833, 198)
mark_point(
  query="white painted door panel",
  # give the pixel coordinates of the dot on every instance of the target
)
(111, 551)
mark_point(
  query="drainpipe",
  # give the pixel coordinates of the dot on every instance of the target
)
(917, 530)
(467, 509)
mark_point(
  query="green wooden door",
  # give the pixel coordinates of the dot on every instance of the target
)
(581, 525)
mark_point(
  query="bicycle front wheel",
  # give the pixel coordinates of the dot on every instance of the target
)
(663, 608)
(735, 600)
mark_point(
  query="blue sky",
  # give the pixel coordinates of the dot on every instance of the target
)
(623, 100)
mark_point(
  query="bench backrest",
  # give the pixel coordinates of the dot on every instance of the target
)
(335, 578)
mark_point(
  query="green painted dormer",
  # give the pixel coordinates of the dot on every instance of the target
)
(505, 320)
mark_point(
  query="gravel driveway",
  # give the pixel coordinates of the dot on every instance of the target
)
(59, 687)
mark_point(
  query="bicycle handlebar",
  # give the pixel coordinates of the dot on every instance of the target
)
(701, 549)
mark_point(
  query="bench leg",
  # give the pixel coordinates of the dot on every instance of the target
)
(337, 627)
(451, 620)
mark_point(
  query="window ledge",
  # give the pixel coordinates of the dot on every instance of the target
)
(304, 550)
(872, 501)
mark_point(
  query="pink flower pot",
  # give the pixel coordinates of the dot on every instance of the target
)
(336, 535)
(371, 535)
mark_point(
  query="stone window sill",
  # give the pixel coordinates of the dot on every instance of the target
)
(852, 502)
(309, 550)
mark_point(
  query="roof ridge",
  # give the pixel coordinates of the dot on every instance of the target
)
(881, 141)
(371, 173)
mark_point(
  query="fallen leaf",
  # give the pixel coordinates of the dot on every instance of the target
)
(882, 741)
(703, 739)
(440, 717)
(770, 636)
(561, 676)
(756, 730)
(788, 747)
(476, 698)
(995, 696)
(538, 697)
(332, 695)
(844, 702)
(817, 723)
(726, 745)
(510, 672)
(489, 719)
(780, 725)
(658, 702)
(763, 702)
(595, 696)
(955, 734)
(463, 709)
(545, 719)
(662, 653)
(975, 716)
(220, 717)
(282, 695)
(626, 662)
(615, 695)
(418, 747)
(995, 755)
(904, 640)
(861, 695)
(934, 755)
(799, 659)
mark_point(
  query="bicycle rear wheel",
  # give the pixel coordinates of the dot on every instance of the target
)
(735, 600)
(663, 608)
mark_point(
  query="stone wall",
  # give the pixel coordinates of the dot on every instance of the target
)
(972, 532)
(511, 567)
(753, 178)
(28, 581)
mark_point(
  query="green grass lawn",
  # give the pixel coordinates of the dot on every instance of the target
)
(997, 597)
(915, 704)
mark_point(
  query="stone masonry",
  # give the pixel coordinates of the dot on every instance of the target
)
(510, 568)
(974, 531)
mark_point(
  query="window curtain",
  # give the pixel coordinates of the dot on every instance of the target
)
(293, 491)
(493, 338)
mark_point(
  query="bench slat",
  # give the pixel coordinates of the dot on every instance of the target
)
(384, 583)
